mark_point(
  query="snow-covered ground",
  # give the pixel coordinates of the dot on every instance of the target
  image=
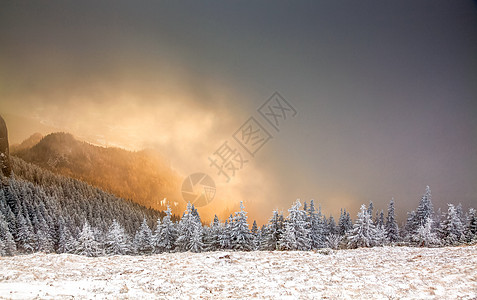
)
(376, 273)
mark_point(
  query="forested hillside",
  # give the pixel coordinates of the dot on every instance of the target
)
(42, 211)
(144, 176)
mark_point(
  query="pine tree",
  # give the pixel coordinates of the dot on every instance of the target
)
(87, 244)
(196, 242)
(143, 239)
(332, 228)
(190, 230)
(241, 236)
(392, 229)
(452, 227)
(315, 226)
(225, 234)
(66, 242)
(471, 226)
(296, 235)
(117, 241)
(7, 246)
(44, 239)
(364, 231)
(272, 233)
(370, 210)
(168, 233)
(156, 237)
(255, 231)
(425, 209)
(425, 236)
(212, 234)
(26, 238)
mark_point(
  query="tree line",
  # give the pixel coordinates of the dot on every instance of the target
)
(41, 211)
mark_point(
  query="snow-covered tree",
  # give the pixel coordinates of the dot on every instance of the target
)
(196, 243)
(86, 243)
(296, 235)
(26, 238)
(211, 235)
(7, 243)
(452, 227)
(364, 231)
(117, 241)
(345, 223)
(380, 239)
(241, 236)
(370, 210)
(190, 231)
(425, 209)
(166, 236)
(273, 232)
(142, 243)
(255, 235)
(66, 241)
(315, 225)
(471, 226)
(392, 229)
(425, 236)
(225, 240)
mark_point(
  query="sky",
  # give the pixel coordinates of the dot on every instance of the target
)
(385, 92)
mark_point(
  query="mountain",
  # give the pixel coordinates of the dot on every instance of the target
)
(144, 176)
(28, 143)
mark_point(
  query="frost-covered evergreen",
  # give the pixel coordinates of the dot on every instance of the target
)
(196, 243)
(425, 236)
(471, 226)
(212, 235)
(142, 243)
(190, 231)
(392, 229)
(315, 225)
(296, 235)
(255, 235)
(273, 232)
(225, 234)
(87, 244)
(453, 230)
(345, 223)
(117, 241)
(7, 243)
(364, 231)
(166, 236)
(241, 237)
(26, 239)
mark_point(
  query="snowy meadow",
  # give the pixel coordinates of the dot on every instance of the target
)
(364, 273)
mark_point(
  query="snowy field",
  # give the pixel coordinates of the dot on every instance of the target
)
(376, 273)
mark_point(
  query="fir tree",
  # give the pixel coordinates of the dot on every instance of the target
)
(143, 239)
(241, 236)
(296, 235)
(168, 233)
(87, 244)
(26, 238)
(452, 227)
(189, 231)
(392, 230)
(117, 242)
(424, 236)
(315, 226)
(471, 226)
(272, 233)
(364, 231)
(7, 246)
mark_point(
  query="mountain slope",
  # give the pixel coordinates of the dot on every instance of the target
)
(143, 176)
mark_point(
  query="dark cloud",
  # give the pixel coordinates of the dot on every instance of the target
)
(385, 91)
